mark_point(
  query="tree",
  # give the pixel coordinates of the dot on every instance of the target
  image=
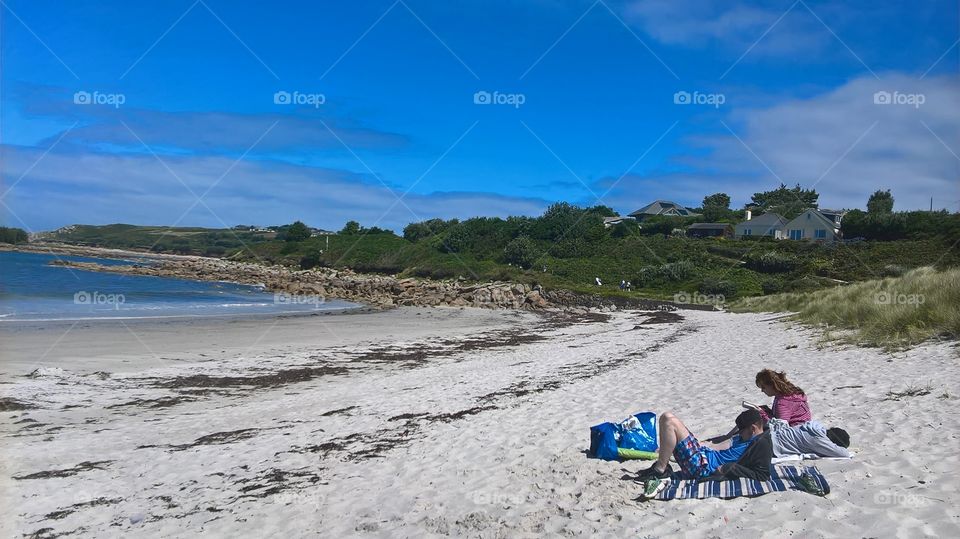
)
(12, 235)
(716, 206)
(351, 228)
(521, 251)
(297, 232)
(880, 202)
(788, 203)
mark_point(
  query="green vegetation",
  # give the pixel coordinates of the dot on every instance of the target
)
(297, 232)
(162, 239)
(567, 247)
(12, 235)
(892, 313)
(788, 203)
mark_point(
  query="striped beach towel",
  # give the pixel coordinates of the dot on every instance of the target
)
(782, 478)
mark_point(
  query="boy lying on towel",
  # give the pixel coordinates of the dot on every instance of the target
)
(808, 438)
(748, 456)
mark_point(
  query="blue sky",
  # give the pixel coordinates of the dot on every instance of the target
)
(183, 126)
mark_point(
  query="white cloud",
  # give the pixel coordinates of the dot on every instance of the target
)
(734, 24)
(841, 142)
(96, 188)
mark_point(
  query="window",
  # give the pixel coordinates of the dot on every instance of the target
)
(796, 234)
(748, 232)
(820, 234)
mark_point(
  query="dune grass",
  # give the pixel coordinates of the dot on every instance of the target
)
(892, 313)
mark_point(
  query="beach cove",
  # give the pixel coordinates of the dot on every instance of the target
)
(449, 421)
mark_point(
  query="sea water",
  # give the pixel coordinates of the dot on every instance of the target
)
(33, 290)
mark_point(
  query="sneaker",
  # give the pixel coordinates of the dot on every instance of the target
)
(652, 473)
(809, 484)
(652, 487)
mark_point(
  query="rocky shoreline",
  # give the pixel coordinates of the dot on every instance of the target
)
(382, 291)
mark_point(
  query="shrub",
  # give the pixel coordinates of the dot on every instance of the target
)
(310, 260)
(521, 251)
(893, 270)
(716, 287)
(771, 286)
(772, 262)
(297, 232)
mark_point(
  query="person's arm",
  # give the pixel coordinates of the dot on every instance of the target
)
(754, 464)
(722, 438)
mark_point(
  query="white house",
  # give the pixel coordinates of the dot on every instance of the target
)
(616, 220)
(768, 224)
(812, 225)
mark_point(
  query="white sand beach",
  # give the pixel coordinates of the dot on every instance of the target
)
(448, 422)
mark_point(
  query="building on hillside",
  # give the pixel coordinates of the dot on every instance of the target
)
(813, 225)
(768, 224)
(709, 230)
(662, 207)
(616, 220)
(834, 215)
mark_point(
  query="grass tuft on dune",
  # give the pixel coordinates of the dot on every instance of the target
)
(892, 313)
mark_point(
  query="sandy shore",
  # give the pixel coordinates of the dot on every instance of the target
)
(418, 422)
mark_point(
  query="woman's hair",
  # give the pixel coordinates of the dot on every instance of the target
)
(778, 381)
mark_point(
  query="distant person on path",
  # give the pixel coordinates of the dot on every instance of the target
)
(748, 456)
(623, 284)
(598, 281)
(789, 401)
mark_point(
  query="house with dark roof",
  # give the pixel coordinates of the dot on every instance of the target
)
(662, 207)
(768, 224)
(708, 230)
(813, 225)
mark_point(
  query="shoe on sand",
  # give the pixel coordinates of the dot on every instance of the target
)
(652, 473)
(652, 487)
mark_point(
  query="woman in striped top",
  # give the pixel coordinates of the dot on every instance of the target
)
(789, 401)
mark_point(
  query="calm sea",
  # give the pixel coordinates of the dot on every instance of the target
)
(33, 290)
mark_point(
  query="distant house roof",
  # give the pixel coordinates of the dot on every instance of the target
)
(663, 207)
(767, 219)
(708, 226)
(817, 215)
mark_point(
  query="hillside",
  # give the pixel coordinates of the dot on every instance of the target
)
(568, 248)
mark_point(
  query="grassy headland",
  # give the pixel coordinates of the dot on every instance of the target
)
(893, 312)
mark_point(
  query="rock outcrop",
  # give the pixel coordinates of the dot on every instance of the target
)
(375, 290)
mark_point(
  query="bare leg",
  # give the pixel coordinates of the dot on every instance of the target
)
(672, 430)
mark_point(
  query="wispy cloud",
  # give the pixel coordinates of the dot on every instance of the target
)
(101, 188)
(840, 141)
